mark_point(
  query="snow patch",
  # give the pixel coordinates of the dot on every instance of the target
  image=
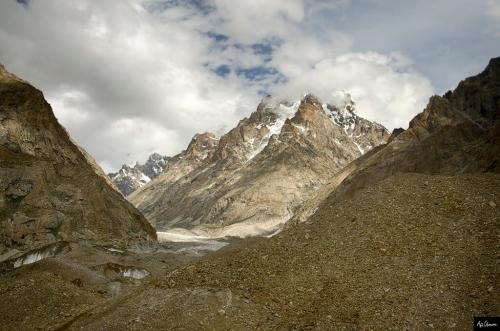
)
(359, 148)
(340, 109)
(300, 127)
(283, 113)
(145, 178)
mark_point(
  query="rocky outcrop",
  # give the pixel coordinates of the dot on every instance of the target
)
(255, 177)
(130, 178)
(50, 189)
(456, 133)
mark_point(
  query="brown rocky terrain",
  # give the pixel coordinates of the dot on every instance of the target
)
(50, 189)
(413, 251)
(76, 281)
(256, 177)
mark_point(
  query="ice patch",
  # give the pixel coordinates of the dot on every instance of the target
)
(113, 270)
(111, 249)
(189, 241)
(40, 254)
(32, 258)
(135, 273)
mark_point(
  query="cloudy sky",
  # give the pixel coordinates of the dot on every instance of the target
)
(131, 77)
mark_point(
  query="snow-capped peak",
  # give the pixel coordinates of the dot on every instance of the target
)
(341, 110)
(130, 178)
(283, 110)
(341, 100)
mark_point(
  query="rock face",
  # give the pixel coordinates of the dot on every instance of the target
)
(456, 133)
(50, 189)
(128, 178)
(255, 177)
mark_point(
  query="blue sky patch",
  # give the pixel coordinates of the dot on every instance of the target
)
(217, 37)
(201, 6)
(261, 73)
(223, 70)
(23, 2)
(262, 48)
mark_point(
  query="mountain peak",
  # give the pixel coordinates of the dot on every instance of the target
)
(494, 64)
(6, 76)
(242, 181)
(200, 146)
(310, 98)
(130, 178)
(204, 136)
(268, 104)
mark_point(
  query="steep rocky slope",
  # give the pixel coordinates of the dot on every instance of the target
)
(257, 175)
(50, 189)
(456, 133)
(409, 240)
(130, 178)
(412, 252)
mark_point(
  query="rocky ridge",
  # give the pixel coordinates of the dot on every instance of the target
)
(130, 178)
(50, 189)
(456, 133)
(255, 177)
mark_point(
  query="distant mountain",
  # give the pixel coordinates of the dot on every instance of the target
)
(51, 189)
(130, 178)
(255, 177)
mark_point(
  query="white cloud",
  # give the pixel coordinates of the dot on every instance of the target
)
(300, 52)
(253, 21)
(131, 77)
(103, 62)
(493, 11)
(385, 87)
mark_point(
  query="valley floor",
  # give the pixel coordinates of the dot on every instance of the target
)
(411, 252)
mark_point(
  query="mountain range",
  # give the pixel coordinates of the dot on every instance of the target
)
(254, 178)
(130, 178)
(357, 229)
